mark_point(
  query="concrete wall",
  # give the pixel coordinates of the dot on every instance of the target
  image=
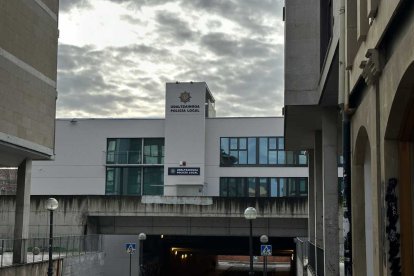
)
(79, 165)
(79, 214)
(91, 264)
(302, 55)
(28, 61)
(116, 257)
(32, 269)
(185, 136)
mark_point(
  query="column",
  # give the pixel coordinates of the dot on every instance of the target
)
(311, 197)
(22, 214)
(330, 192)
(318, 190)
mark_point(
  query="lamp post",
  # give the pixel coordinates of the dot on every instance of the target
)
(141, 237)
(51, 205)
(264, 239)
(250, 214)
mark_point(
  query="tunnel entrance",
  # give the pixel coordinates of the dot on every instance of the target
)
(213, 255)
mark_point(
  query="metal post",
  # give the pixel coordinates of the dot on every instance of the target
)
(50, 268)
(2, 252)
(130, 267)
(251, 248)
(141, 257)
(265, 266)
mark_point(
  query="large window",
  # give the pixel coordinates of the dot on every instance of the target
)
(132, 166)
(258, 151)
(263, 186)
(135, 151)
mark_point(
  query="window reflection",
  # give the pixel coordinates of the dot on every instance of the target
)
(260, 151)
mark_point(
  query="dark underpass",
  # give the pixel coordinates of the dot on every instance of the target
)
(210, 255)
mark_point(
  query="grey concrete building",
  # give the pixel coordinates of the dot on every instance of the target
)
(365, 80)
(28, 60)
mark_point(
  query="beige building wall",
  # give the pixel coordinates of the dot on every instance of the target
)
(28, 65)
(382, 102)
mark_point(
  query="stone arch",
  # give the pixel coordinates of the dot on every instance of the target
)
(399, 161)
(362, 224)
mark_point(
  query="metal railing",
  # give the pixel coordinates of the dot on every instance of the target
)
(302, 254)
(37, 248)
(124, 157)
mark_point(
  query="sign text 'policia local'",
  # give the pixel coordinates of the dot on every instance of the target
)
(185, 108)
(183, 171)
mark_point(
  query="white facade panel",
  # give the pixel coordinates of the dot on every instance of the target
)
(80, 163)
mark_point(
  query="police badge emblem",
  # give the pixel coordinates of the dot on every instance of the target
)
(185, 97)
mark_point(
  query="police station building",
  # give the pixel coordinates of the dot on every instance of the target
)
(189, 153)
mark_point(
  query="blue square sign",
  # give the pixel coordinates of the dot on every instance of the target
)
(266, 250)
(130, 248)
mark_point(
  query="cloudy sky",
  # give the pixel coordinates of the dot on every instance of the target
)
(115, 56)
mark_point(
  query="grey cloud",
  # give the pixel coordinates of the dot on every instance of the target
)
(222, 44)
(67, 5)
(174, 27)
(249, 14)
(89, 86)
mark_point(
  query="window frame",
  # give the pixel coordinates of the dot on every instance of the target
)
(280, 147)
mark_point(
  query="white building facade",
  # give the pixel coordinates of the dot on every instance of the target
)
(189, 153)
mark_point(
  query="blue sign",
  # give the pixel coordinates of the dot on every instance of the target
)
(266, 250)
(130, 248)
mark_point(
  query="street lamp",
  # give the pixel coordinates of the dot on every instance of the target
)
(51, 205)
(250, 214)
(141, 237)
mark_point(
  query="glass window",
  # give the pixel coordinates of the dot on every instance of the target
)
(154, 151)
(272, 143)
(273, 157)
(233, 143)
(124, 151)
(241, 151)
(224, 145)
(232, 187)
(110, 181)
(281, 159)
(282, 187)
(242, 143)
(251, 182)
(263, 187)
(242, 157)
(292, 187)
(303, 187)
(263, 151)
(153, 181)
(303, 159)
(240, 187)
(273, 187)
(223, 187)
(133, 181)
(252, 151)
(234, 157)
(281, 143)
(289, 158)
(123, 181)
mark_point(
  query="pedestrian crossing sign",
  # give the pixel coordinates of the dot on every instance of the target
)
(131, 248)
(266, 250)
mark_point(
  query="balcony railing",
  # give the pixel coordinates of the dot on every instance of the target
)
(124, 157)
(37, 248)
